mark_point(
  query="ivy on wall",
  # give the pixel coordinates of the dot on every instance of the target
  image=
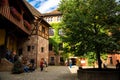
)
(56, 38)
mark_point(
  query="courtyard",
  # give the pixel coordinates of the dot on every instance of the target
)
(53, 73)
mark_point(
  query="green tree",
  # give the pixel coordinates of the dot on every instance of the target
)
(91, 56)
(91, 26)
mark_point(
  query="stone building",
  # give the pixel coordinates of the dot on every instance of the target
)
(54, 57)
(53, 17)
(22, 30)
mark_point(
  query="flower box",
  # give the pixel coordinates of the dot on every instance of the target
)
(15, 13)
(27, 25)
(3, 2)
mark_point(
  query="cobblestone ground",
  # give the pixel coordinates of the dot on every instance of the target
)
(53, 73)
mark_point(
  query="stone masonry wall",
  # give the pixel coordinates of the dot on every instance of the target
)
(42, 43)
(36, 43)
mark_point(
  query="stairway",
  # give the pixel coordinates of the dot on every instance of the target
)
(5, 65)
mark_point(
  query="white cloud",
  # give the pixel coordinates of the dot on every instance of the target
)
(32, 3)
(45, 5)
(48, 5)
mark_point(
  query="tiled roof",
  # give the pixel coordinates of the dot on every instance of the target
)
(55, 12)
(32, 9)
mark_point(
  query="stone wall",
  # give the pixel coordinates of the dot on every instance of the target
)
(56, 58)
(42, 44)
(36, 43)
(98, 74)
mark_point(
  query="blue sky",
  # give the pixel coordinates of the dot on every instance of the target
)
(44, 6)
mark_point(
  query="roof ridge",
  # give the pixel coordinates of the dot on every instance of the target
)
(56, 11)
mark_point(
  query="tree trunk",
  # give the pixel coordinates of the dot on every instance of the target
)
(98, 50)
(99, 60)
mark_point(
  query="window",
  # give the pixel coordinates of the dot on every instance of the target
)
(51, 19)
(59, 18)
(28, 48)
(51, 32)
(43, 29)
(50, 47)
(111, 60)
(60, 46)
(42, 49)
(33, 47)
(52, 60)
(47, 19)
(61, 59)
(60, 32)
(20, 51)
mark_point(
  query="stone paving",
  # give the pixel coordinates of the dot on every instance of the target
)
(53, 73)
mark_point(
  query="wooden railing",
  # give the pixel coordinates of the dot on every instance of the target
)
(13, 15)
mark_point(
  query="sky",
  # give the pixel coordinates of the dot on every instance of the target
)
(44, 6)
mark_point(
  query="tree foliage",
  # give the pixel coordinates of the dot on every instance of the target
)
(91, 25)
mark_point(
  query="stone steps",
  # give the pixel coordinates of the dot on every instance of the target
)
(5, 65)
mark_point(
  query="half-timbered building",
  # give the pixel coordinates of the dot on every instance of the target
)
(22, 30)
